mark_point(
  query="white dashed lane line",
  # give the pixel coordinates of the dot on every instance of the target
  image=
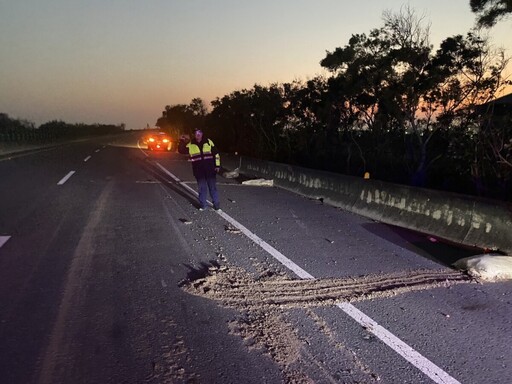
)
(66, 178)
(87, 158)
(431, 370)
(3, 240)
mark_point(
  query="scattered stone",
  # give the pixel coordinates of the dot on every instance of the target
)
(231, 229)
(262, 303)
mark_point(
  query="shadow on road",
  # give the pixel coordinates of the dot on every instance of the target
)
(433, 248)
(199, 272)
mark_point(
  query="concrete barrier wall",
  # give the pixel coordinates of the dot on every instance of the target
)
(459, 218)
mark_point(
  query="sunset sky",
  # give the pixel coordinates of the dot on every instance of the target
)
(123, 61)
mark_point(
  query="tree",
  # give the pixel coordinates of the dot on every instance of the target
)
(173, 119)
(489, 12)
(229, 123)
(474, 77)
(266, 119)
(9, 124)
(181, 118)
(197, 107)
(251, 121)
(397, 87)
(304, 121)
(382, 80)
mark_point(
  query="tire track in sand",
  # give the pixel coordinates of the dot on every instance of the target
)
(234, 287)
(263, 304)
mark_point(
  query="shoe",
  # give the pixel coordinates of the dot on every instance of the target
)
(216, 207)
(202, 209)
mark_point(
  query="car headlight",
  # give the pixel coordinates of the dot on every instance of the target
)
(165, 140)
(151, 139)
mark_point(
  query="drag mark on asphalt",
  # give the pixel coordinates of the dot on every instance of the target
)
(235, 288)
(58, 353)
(262, 303)
(66, 178)
(3, 240)
(408, 353)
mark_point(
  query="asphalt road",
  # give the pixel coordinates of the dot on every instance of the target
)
(109, 274)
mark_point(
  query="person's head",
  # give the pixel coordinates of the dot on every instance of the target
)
(198, 134)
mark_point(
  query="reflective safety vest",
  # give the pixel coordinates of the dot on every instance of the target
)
(196, 154)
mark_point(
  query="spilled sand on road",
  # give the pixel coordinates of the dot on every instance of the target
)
(234, 287)
(264, 301)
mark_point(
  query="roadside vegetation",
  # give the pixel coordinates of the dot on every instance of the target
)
(392, 105)
(16, 131)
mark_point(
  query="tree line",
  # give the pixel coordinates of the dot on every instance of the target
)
(391, 105)
(23, 131)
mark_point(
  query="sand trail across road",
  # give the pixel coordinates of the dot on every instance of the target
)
(265, 303)
(234, 287)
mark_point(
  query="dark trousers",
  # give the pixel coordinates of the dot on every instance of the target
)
(205, 184)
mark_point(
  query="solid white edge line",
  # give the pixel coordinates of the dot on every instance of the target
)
(3, 240)
(172, 176)
(407, 352)
(65, 178)
(87, 158)
(267, 247)
(145, 154)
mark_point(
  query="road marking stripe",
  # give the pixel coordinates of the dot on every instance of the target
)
(3, 240)
(407, 352)
(267, 247)
(97, 150)
(176, 179)
(87, 158)
(65, 178)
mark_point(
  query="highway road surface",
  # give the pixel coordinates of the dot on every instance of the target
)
(110, 274)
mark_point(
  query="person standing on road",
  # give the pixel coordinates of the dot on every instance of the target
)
(205, 160)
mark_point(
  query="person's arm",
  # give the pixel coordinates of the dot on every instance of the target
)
(216, 155)
(182, 145)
